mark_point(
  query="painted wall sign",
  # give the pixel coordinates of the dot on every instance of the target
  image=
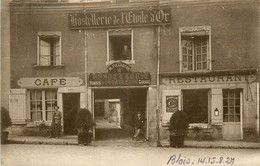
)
(119, 74)
(208, 79)
(119, 18)
(171, 103)
(49, 82)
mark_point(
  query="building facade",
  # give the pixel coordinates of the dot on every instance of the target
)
(117, 58)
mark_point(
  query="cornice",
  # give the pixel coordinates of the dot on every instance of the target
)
(65, 7)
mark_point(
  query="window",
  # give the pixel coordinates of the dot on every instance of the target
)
(42, 103)
(120, 47)
(231, 105)
(49, 49)
(195, 49)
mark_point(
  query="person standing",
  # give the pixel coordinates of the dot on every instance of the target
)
(85, 123)
(178, 128)
(139, 124)
(56, 123)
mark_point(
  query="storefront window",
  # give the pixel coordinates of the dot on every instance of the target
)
(231, 105)
(120, 45)
(49, 49)
(42, 103)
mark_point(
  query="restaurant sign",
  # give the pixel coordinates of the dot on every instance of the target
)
(49, 82)
(146, 17)
(119, 74)
(230, 78)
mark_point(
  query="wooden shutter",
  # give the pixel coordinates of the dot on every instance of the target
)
(216, 103)
(17, 105)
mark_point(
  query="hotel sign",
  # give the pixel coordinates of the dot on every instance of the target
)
(231, 78)
(49, 82)
(146, 17)
(119, 74)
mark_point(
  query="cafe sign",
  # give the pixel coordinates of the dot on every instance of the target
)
(119, 74)
(145, 17)
(49, 82)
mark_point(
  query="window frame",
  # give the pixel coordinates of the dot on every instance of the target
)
(240, 91)
(42, 34)
(43, 103)
(131, 61)
(195, 29)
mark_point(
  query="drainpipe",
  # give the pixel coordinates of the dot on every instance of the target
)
(86, 65)
(157, 85)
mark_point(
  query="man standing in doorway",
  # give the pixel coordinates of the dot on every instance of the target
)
(56, 122)
(139, 124)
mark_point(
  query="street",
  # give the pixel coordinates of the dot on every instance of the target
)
(68, 155)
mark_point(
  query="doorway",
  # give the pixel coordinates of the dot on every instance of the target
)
(195, 104)
(71, 105)
(115, 111)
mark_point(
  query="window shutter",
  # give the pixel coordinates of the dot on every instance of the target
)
(17, 105)
(57, 52)
(170, 105)
(216, 103)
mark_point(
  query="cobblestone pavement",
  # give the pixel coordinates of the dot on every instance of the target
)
(68, 155)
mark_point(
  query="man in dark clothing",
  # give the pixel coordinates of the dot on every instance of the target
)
(139, 124)
(178, 128)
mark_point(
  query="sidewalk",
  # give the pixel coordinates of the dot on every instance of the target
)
(72, 140)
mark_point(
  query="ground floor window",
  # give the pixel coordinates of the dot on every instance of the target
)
(195, 104)
(231, 105)
(41, 104)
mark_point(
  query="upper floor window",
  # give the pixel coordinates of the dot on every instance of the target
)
(49, 49)
(195, 48)
(120, 46)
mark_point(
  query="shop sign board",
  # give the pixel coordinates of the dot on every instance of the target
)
(101, 19)
(119, 74)
(49, 82)
(171, 103)
(232, 78)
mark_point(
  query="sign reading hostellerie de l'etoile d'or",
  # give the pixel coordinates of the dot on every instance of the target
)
(143, 17)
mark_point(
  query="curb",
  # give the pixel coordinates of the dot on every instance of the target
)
(149, 145)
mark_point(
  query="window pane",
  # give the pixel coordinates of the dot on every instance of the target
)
(33, 105)
(39, 105)
(190, 59)
(225, 94)
(199, 66)
(237, 102)
(225, 118)
(204, 65)
(184, 50)
(199, 58)
(204, 57)
(237, 93)
(204, 49)
(32, 95)
(33, 116)
(231, 118)
(225, 102)
(225, 110)
(231, 111)
(231, 102)
(48, 115)
(231, 94)
(237, 118)
(185, 59)
(190, 67)
(237, 110)
(39, 116)
(38, 95)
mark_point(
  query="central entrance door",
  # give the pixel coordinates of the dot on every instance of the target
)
(115, 111)
(71, 105)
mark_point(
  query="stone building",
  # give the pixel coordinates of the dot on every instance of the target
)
(121, 57)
